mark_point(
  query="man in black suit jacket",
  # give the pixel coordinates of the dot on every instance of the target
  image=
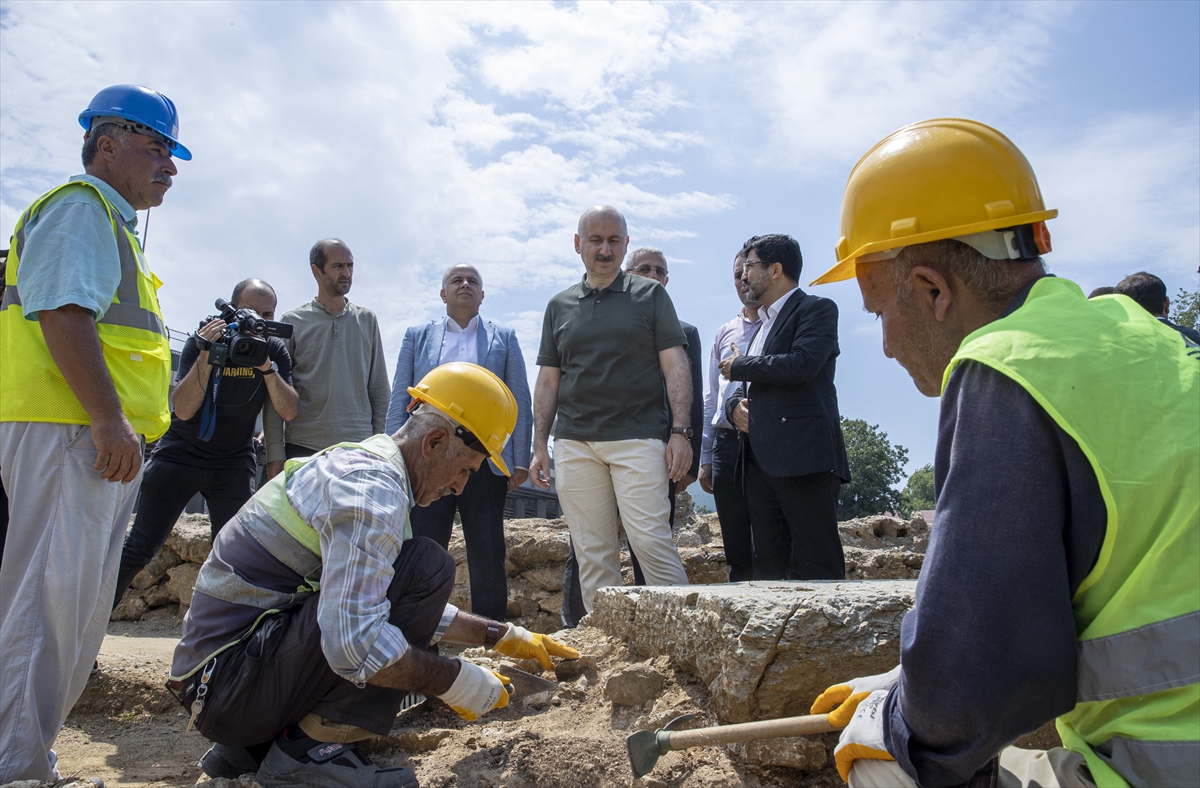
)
(793, 455)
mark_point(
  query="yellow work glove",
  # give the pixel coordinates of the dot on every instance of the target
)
(863, 737)
(841, 700)
(520, 643)
(476, 691)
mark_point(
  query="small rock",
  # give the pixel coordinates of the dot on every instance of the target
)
(688, 539)
(552, 604)
(570, 669)
(131, 607)
(191, 539)
(158, 596)
(182, 582)
(634, 686)
(548, 578)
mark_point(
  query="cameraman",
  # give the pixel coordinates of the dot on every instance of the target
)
(222, 469)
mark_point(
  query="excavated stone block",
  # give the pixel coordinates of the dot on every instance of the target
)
(805, 754)
(154, 572)
(182, 582)
(634, 685)
(159, 595)
(704, 565)
(552, 604)
(551, 548)
(131, 607)
(190, 539)
(765, 649)
(548, 578)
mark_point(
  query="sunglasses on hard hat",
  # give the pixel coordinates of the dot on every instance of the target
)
(468, 437)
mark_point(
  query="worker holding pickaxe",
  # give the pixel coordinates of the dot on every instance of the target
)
(1060, 580)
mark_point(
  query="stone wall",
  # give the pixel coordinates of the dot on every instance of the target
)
(877, 547)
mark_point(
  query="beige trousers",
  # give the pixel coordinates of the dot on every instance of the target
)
(594, 479)
(65, 531)
(1056, 768)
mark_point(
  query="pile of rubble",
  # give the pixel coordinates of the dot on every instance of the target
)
(875, 547)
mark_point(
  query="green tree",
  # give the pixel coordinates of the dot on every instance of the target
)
(918, 493)
(1185, 307)
(875, 465)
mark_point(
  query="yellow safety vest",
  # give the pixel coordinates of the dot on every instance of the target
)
(1126, 388)
(133, 340)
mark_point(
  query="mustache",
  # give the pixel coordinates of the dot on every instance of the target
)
(161, 177)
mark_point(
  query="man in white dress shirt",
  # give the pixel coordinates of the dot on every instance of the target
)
(462, 335)
(720, 448)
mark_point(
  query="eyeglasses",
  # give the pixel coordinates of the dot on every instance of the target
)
(468, 437)
(650, 270)
(746, 265)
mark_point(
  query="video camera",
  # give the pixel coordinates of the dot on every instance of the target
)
(242, 344)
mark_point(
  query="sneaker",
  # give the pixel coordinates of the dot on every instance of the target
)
(221, 760)
(299, 760)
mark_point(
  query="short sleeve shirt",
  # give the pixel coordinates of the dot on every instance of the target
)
(70, 254)
(606, 343)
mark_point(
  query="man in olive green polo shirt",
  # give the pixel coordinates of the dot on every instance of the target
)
(612, 355)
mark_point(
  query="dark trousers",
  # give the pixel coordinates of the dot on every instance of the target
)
(272, 679)
(167, 486)
(794, 524)
(733, 511)
(573, 609)
(3, 520)
(481, 506)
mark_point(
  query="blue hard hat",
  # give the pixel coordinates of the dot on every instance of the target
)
(140, 105)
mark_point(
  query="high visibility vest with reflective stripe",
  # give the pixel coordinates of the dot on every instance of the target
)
(1126, 388)
(287, 536)
(132, 339)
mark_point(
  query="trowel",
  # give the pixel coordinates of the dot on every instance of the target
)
(646, 746)
(528, 688)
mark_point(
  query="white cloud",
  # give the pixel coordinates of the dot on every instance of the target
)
(1128, 192)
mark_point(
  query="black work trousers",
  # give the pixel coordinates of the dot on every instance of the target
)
(794, 525)
(167, 486)
(279, 674)
(733, 510)
(481, 507)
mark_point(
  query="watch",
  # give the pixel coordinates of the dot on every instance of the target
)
(274, 368)
(494, 633)
(686, 432)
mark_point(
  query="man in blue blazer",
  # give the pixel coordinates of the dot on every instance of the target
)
(793, 453)
(463, 336)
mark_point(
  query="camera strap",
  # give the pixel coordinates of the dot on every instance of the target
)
(208, 413)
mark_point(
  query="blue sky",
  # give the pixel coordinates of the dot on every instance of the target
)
(429, 134)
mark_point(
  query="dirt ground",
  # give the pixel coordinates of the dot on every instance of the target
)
(128, 731)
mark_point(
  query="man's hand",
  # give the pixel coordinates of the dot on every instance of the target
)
(118, 449)
(741, 415)
(679, 457)
(726, 364)
(475, 691)
(520, 643)
(539, 468)
(274, 468)
(706, 478)
(684, 483)
(212, 331)
(840, 701)
(519, 475)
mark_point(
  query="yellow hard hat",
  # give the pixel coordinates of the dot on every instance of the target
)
(938, 179)
(476, 400)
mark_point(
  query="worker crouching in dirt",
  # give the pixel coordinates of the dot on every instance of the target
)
(315, 615)
(1060, 581)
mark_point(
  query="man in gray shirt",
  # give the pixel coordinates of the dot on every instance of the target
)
(338, 366)
(612, 354)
